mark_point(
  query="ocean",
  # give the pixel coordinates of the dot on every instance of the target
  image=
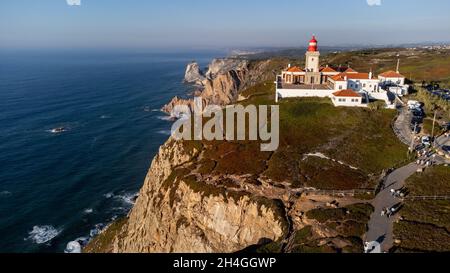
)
(59, 187)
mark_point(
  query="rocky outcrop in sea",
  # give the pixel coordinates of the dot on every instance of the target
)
(221, 83)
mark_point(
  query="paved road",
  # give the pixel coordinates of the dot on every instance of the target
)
(442, 142)
(402, 126)
(381, 227)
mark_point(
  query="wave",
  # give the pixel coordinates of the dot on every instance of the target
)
(105, 116)
(96, 230)
(77, 245)
(128, 198)
(165, 118)
(88, 211)
(5, 194)
(63, 127)
(43, 234)
(165, 132)
(108, 195)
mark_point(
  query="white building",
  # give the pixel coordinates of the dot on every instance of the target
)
(392, 77)
(394, 82)
(347, 97)
(316, 81)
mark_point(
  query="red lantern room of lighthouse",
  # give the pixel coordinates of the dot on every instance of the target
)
(312, 44)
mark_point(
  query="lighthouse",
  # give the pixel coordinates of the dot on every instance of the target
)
(312, 65)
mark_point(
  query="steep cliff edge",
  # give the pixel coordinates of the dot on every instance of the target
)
(179, 212)
(224, 81)
(193, 74)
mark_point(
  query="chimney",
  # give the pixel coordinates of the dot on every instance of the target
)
(289, 65)
(398, 65)
(370, 74)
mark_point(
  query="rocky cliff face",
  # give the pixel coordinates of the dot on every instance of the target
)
(222, 66)
(193, 74)
(225, 79)
(176, 213)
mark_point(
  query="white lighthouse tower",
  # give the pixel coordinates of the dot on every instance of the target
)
(312, 65)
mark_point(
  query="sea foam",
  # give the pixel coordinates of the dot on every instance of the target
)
(128, 198)
(43, 234)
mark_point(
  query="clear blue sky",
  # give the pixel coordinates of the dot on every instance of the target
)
(218, 24)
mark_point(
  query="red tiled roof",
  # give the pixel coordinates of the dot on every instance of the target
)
(358, 76)
(351, 76)
(295, 69)
(391, 74)
(346, 93)
(327, 69)
(338, 78)
(350, 70)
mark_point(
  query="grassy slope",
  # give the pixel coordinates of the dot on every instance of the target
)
(426, 224)
(359, 137)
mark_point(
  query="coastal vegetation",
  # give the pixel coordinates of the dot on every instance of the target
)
(425, 224)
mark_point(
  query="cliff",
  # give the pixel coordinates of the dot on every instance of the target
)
(223, 82)
(193, 74)
(177, 213)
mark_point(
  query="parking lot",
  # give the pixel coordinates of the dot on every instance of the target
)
(439, 92)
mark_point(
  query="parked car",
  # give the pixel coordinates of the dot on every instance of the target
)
(413, 104)
(420, 147)
(446, 127)
(417, 120)
(418, 113)
(426, 140)
(415, 129)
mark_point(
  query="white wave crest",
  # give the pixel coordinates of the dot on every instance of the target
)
(73, 247)
(108, 195)
(88, 211)
(128, 198)
(165, 132)
(165, 118)
(96, 230)
(43, 234)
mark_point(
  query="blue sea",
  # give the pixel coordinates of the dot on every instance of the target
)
(59, 187)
